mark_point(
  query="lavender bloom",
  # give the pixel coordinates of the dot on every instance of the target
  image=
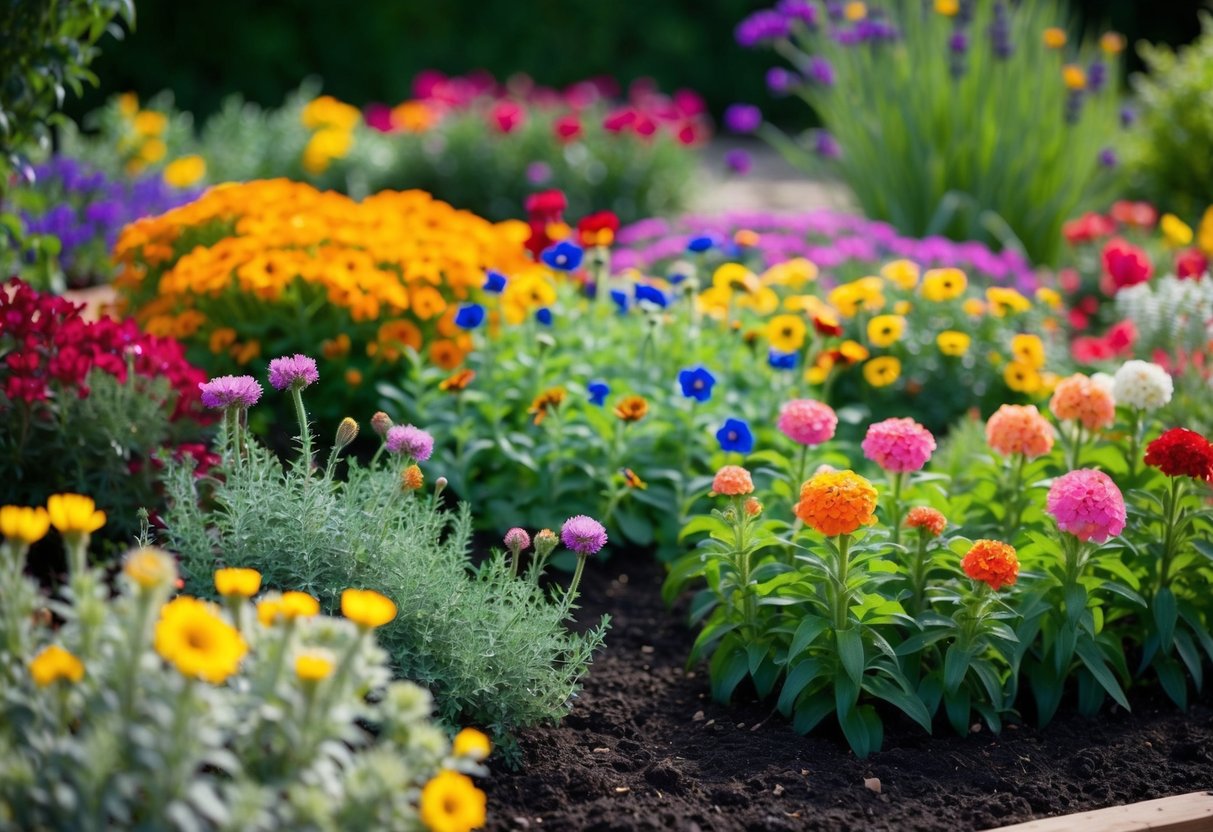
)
(583, 535)
(761, 26)
(738, 161)
(538, 172)
(295, 370)
(820, 72)
(1127, 116)
(779, 80)
(1107, 158)
(742, 118)
(230, 391)
(411, 441)
(1000, 31)
(825, 145)
(801, 10)
(1097, 76)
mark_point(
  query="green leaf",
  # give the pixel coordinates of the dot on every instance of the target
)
(1076, 603)
(727, 669)
(909, 704)
(1098, 668)
(862, 728)
(1166, 611)
(698, 525)
(800, 677)
(1173, 680)
(850, 652)
(955, 667)
(812, 710)
(957, 707)
(1186, 648)
(717, 628)
(917, 642)
(810, 628)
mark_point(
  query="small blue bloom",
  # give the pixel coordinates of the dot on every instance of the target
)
(735, 435)
(782, 360)
(544, 316)
(703, 242)
(494, 282)
(651, 294)
(598, 391)
(697, 383)
(469, 316)
(675, 277)
(621, 300)
(564, 256)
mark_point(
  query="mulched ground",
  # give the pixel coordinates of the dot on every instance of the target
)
(645, 748)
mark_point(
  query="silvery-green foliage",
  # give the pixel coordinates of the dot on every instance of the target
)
(1169, 313)
(134, 745)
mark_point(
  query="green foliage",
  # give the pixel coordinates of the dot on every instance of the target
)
(134, 743)
(1170, 149)
(494, 648)
(974, 146)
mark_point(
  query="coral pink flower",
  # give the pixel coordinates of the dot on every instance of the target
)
(1080, 399)
(1019, 429)
(898, 445)
(807, 422)
(1087, 504)
(928, 519)
(733, 481)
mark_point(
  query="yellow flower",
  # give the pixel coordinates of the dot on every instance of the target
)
(152, 151)
(953, 343)
(818, 373)
(944, 284)
(1074, 77)
(150, 123)
(287, 607)
(792, 273)
(632, 408)
(128, 105)
(186, 171)
(974, 307)
(1002, 300)
(786, 332)
(367, 608)
(74, 514)
(735, 277)
(1049, 297)
(763, 301)
(1204, 234)
(902, 307)
(882, 371)
(237, 582)
(853, 352)
(948, 8)
(867, 293)
(1054, 37)
(472, 744)
(903, 273)
(313, 666)
(55, 663)
(1021, 377)
(1112, 43)
(450, 802)
(192, 637)
(326, 111)
(855, 11)
(24, 524)
(886, 330)
(324, 146)
(1177, 232)
(1028, 350)
(150, 568)
(714, 301)
(529, 291)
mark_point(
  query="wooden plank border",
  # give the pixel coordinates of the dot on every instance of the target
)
(1182, 813)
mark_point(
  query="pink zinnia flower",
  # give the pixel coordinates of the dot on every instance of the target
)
(898, 445)
(807, 422)
(583, 535)
(293, 371)
(517, 539)
(411, 441)
(1087, 504)
(230, 391)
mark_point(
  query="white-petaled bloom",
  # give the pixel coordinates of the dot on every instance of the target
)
(1105, 381)
(1143, 385)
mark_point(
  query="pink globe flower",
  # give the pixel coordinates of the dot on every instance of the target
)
(807, 422)
(1087, 504)
(296, 370)
(516, 540)
(898, 445)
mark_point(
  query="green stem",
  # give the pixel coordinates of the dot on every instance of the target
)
(305, 430)
(1135, 426)
(898, 478)
(918, 578)
(842, 595)
(571, 594)
(1171, 506)
(1015, 495)
(802, 461)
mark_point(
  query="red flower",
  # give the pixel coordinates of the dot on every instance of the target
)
(1181, 453)
(543, 209)
(1069, 280)
(1079, 320)
(598, 229)
(1089, 350)
(1087, 228)
(1125, 264)
(690, 133)
(1191, 263)
(1134, 214)
(567, 127)
(378, 117)
(506, 116)
(617, 121)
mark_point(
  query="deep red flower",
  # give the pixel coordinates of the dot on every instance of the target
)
(598, 229)
(617, 121)
(506, 116)
(1125, 264)
(378, 117)
(1191, 264)
(567, 127)
(1121, 337)
(1087, 228)
(1134, 214)
(1089, 350)
(1181, 453)
(543, 209)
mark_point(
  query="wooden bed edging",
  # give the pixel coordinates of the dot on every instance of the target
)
(1181, 813)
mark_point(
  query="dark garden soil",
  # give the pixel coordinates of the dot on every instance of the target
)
(646, 748)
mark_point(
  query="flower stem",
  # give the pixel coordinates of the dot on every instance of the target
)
(842, 595)
(305, 430)
(899, 478)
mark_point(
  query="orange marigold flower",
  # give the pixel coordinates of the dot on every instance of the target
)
(732, 481)
(753, 507)
(632, 408)
(457, 382)
(837, 502)
(1080, 399)
(1019, 429)
(411, 478)
(930, 520)
(992, 562)
(546, 402)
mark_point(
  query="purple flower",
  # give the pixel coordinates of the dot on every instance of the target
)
(1107, 158)
(517, 539)
(779, 80)
(738, 161)
(801, 10)
(763, 25)
(538, 173)
(825, 145)
(1000, 32)
(230, 391)
(294, 370)
(1097, 76)
(583, 535)
(820, 72)
(1127, 116)
(742, 118)
(410, 441)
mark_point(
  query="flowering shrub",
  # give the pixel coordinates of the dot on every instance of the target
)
(134, 710)
(491, 642)
(919, 152)
(834, 598)
(89, 406)
(274, 267)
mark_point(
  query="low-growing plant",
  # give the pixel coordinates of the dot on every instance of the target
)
(132, 710)
(491, 641)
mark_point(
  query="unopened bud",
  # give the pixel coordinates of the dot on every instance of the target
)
(381, 423)
(439, 486)
(411, 478)
(545, 342)
(753, 507)
(545, 542)
(347, 432)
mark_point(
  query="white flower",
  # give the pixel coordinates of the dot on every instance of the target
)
(1105, 381)
(1142, 385)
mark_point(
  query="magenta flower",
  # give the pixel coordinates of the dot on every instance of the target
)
(1087, 504)
(293, 371)
(583, 535)
(230, 391)
(807, 422)
(517, 539)
(898, 445)
(410, 441)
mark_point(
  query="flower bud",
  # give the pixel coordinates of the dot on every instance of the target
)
(517, 540)
(439, 486)
(381, 423)
(545, 541)
(347, 432)
(753, 507)
(411, 478)
(150, 568)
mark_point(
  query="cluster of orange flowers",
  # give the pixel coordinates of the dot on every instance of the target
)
(274, 259)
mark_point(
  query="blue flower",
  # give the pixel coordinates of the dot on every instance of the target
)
(782, 360)
(697, 383)
(703, 242)
(598, 391)
(564, 256)
(469, 316)
(735, 435)
(676, 277)
(651, 294)
(544, 316)
(494, 282)
(621, 300)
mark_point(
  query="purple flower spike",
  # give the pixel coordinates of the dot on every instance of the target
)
(738, 161)
(411, 441)
(583, 535)
(293, 371)
(230, 391)
(742, 118)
